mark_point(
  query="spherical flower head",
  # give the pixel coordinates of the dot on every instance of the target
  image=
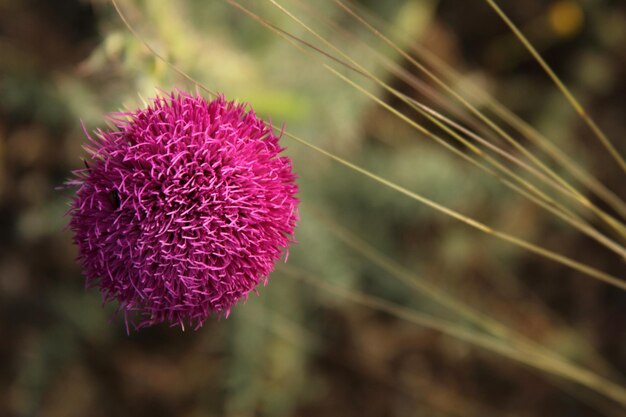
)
(183, 209)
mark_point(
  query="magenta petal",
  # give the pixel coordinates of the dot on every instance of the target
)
(183, 209)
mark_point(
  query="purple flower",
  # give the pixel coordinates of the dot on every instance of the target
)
(183, 208)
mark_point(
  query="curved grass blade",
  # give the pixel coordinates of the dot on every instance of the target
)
(539, 362)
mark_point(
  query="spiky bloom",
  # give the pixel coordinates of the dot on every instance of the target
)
(183, 209)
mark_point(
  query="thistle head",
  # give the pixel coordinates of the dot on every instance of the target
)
(182, 209)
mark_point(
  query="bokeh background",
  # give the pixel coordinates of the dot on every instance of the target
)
(296, 350)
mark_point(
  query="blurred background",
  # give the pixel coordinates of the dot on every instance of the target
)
(296, 349)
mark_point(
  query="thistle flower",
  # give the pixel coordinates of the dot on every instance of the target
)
(183, 209)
